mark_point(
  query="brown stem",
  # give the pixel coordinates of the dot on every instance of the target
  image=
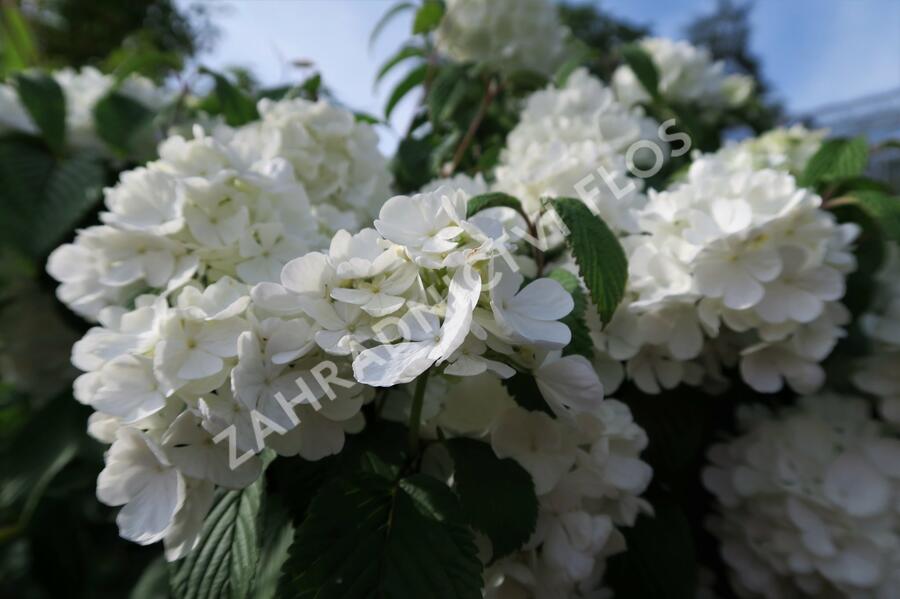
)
(493, 88)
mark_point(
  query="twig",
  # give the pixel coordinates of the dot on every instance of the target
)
(493, 88)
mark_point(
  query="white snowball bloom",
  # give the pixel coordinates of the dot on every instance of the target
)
(807, 502)
(740, 256)
(417, 292)
(572, 142)
(335, 158)
(784, 148)
(510, 35)
(237, 203)
(687, 75)
(588, 476)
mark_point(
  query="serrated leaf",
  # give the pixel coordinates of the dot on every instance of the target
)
(403, 54)
(392, 12)
(44, 199)
(236, 107)
(660, 561)
(642, 64)
(120, 121)
(581, 342)
(428, 17)
(25, 168)
(368, 536)
(885, 209)
(837, 159)
(277, 537)
(600, 257)
(73, 190)
(496, 199)
(406, 85)
(496, 495)
(524, 390)
(45, 102)
(224, 562)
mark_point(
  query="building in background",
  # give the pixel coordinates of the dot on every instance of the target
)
(877, 117)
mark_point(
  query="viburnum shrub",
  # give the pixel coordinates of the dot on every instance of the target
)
(490, 366)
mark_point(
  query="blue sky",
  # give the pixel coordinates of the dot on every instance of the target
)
(814, 52)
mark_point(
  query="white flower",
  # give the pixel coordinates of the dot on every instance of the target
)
(238, 203)
(531, 313)
(572, 142)
(740, 256)
(687, 75)
(781, 148)
(138, 476)
(538, 442)
(191, 449)
(807, 500)
(509, 35)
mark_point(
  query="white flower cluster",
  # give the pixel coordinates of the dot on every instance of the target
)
(584, 460)
(588, 475)
(878, 373)
(237, 203)
(732, 266)
(510, 35)
(687, 75)
(808, 502)
(181, 383)
(427, 287)
(571, 135)
(784, 148)
(82, 89)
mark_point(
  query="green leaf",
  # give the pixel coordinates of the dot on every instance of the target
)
(644, 69)
(44, 199)
(19, 50)
(837, 159)
(153, 583)
(237, 107)
(496, 495)
(403, 54)
(491, 200)
(277, 536)
(410, 164)
(368, 536)
(40, 450)
(524, 390)
(73, 190)
(601, 259)
(446, 93)
(394, 11)
(428, 17)
(121, 121)
(44, 100)
(581, 343)
(885, 209)
(406, 85)
(580, 54)
(225, 560)
(869, 249)
(660, 561)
